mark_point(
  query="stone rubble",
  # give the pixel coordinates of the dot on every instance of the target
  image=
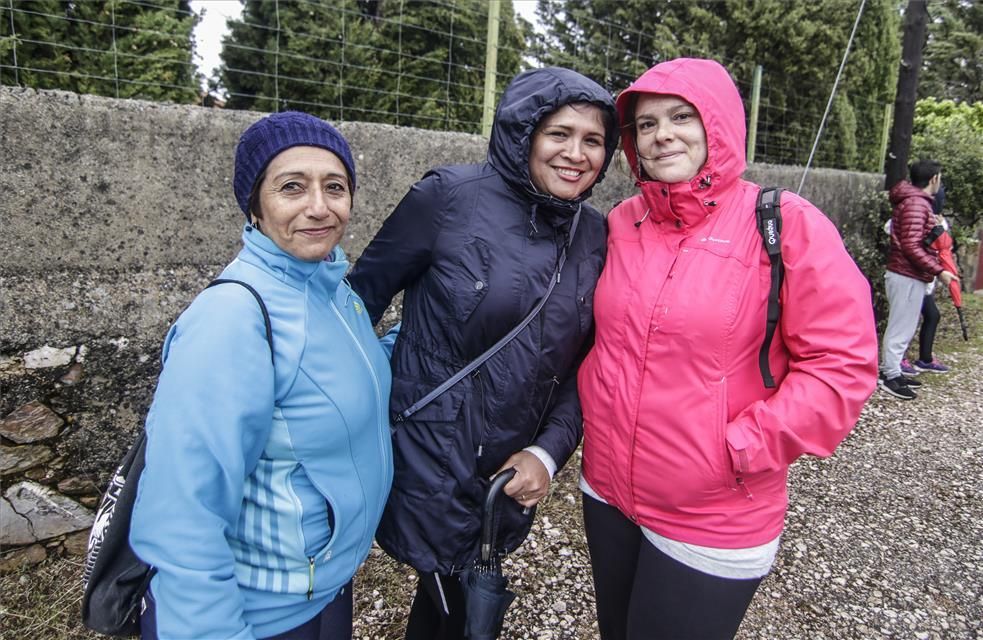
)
(46, 357)
(31, 422)
(19, 459)
(34, 513)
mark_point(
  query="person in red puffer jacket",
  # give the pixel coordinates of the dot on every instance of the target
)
(686, 451)
(910, 266)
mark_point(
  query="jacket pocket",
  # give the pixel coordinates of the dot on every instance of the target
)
(727, 473)
(468, 285)
(423, 444)
(587, 274)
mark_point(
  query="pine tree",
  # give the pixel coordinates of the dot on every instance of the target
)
(121, 48)
(406, 62)
(952, 67)
(798, 44)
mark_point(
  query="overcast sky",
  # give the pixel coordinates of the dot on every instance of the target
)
(209, 32)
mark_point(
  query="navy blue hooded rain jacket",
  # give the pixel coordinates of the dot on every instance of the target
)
(474, 248)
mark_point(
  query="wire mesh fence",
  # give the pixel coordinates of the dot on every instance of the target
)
(404, 62)
(417, 64)
(130, 49)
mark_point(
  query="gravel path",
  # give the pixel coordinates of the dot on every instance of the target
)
(883, 540)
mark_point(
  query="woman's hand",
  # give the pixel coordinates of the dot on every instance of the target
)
(946, 277)
(531, 481)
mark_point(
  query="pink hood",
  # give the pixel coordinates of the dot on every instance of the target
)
(709, 88)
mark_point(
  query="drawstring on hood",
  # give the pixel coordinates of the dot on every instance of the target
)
(530, 97)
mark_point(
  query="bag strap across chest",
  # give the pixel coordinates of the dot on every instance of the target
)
(495, 348)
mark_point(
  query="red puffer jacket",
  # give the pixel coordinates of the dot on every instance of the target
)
(911, 222)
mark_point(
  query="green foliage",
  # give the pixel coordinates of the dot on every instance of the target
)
(119, 48)
(842, 128)
(863, 234)
(798, 44)
(952, 133)
(410, 62)
(952, 66)
(931, 112)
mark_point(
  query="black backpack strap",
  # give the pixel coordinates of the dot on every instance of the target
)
(262, 307)
(768, 212)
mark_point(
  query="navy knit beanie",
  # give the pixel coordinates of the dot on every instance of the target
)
(267, 137)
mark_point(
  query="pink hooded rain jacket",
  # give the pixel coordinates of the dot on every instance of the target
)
(680, 432)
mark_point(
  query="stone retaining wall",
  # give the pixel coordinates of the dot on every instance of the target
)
(114, 214)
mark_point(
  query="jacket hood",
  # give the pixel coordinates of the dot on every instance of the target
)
(531, 96)
(707, 86)
(904, 190)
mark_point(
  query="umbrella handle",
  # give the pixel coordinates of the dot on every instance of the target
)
(488, 518)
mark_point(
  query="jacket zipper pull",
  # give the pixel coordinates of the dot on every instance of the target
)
(742, 485)
(476, 376)
(310, 578)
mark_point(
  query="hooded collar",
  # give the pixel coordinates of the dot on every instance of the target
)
(529, 98)
(707, 86)
(904, 190)
(262, 252)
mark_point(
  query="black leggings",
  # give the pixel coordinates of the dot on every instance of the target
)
(930, 322)
(429, 619)
(644, 594)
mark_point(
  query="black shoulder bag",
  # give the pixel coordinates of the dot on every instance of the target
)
(495, 348)
(114, 578)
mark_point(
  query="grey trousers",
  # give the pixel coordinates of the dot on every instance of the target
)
(904, 297)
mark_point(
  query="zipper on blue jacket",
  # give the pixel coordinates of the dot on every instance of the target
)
(310, 578)
(383, 412)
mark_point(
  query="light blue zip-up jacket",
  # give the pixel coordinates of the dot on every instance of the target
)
(264, 485)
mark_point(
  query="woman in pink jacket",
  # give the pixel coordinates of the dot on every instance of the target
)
(686, 451)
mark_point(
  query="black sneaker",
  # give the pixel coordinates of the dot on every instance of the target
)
(897, 388)
(911, 381)
(914, 383)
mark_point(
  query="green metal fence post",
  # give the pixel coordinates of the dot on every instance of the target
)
(752, 136)
(491, 66)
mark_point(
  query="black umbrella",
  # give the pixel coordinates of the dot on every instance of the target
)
(486, 594)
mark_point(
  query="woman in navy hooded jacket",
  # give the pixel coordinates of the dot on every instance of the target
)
(474, 248)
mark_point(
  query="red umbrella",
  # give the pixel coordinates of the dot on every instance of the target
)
(943, 244)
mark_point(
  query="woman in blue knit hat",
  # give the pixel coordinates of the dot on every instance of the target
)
(266, 476)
